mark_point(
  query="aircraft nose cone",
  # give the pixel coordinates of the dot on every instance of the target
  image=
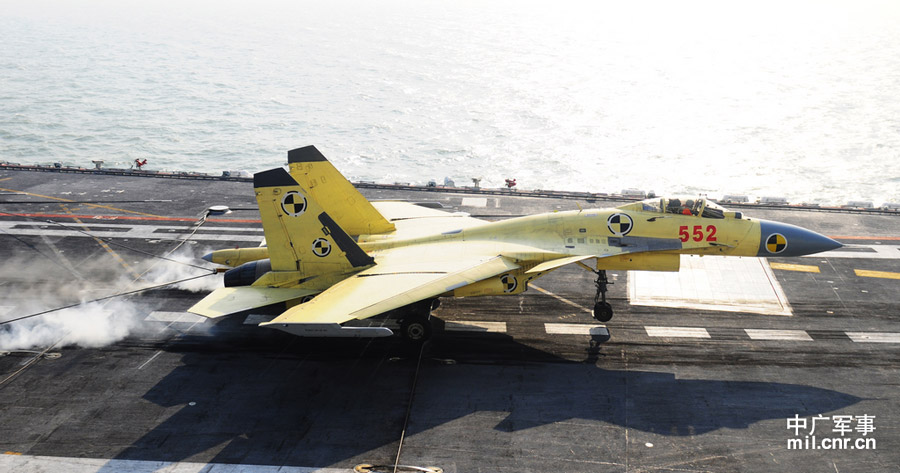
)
(782, 239)
(208, 257)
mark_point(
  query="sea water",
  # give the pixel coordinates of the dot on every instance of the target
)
(799, 99)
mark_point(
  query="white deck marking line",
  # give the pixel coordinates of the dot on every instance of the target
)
(172, 317)
(148, 232)
(874, 337)
(879, 252)
(560, 298)
(677, 332)
(576, 329)
(766, 334)
(126, 227)
(159, 352)
(776, 287)
(474, 202)
(34, 463)
(475, 326)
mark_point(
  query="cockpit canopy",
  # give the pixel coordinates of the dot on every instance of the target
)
(697, 206)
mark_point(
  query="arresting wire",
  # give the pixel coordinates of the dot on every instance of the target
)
(409, 405)
(120, 294)
(110, 241)
(42, 353)
(36, 250)
(136, 291)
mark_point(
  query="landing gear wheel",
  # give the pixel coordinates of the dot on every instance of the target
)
(602, 311)
(415, 329)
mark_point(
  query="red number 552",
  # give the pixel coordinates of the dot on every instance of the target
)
(697, 233)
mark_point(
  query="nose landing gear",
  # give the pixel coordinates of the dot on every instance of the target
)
(602, 310)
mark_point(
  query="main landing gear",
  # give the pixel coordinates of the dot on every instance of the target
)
(416, 328)
(602, 310)
(415, 323)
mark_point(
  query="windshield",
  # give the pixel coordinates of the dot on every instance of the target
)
(712, 210)
(651, 205)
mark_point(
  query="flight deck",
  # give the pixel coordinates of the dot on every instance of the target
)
(732, 364)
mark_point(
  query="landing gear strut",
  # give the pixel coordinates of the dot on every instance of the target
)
(602, 310)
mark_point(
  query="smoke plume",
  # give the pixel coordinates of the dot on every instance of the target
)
(33, 285)
(88, 325)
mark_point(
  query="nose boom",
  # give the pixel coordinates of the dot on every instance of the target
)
(782, 239)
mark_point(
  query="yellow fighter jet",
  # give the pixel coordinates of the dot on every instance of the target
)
(333, 257)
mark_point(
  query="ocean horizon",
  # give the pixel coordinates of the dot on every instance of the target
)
(795, 99)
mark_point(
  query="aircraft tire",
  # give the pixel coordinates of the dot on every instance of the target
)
(415, 329)
(602, 311)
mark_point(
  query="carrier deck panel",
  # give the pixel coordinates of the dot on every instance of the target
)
(703, 370)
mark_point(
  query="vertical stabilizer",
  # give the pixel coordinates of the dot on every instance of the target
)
(300, 235)
(335, 193)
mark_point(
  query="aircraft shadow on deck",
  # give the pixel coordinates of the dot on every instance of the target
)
(320, 403)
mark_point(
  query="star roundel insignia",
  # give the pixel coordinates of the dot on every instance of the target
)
(509, 283)
(619, 224)
(776, 243)
(321, 247)
(293, 203)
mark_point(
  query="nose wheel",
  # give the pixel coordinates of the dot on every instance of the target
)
(602, 310)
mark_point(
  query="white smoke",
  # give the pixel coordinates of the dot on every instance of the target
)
(35, 285)
(165, 271)
(89, 325)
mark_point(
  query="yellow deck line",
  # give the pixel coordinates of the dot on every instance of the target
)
(795, 267)
(104, 245)
(876, 274)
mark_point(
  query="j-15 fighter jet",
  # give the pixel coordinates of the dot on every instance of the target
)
(332, 257)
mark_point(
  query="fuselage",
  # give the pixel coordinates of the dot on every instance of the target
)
(638, 236)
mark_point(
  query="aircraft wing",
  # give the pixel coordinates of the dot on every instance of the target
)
(395, 282)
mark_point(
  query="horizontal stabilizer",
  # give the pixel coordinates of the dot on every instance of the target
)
(231, 300)
(332, 330)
